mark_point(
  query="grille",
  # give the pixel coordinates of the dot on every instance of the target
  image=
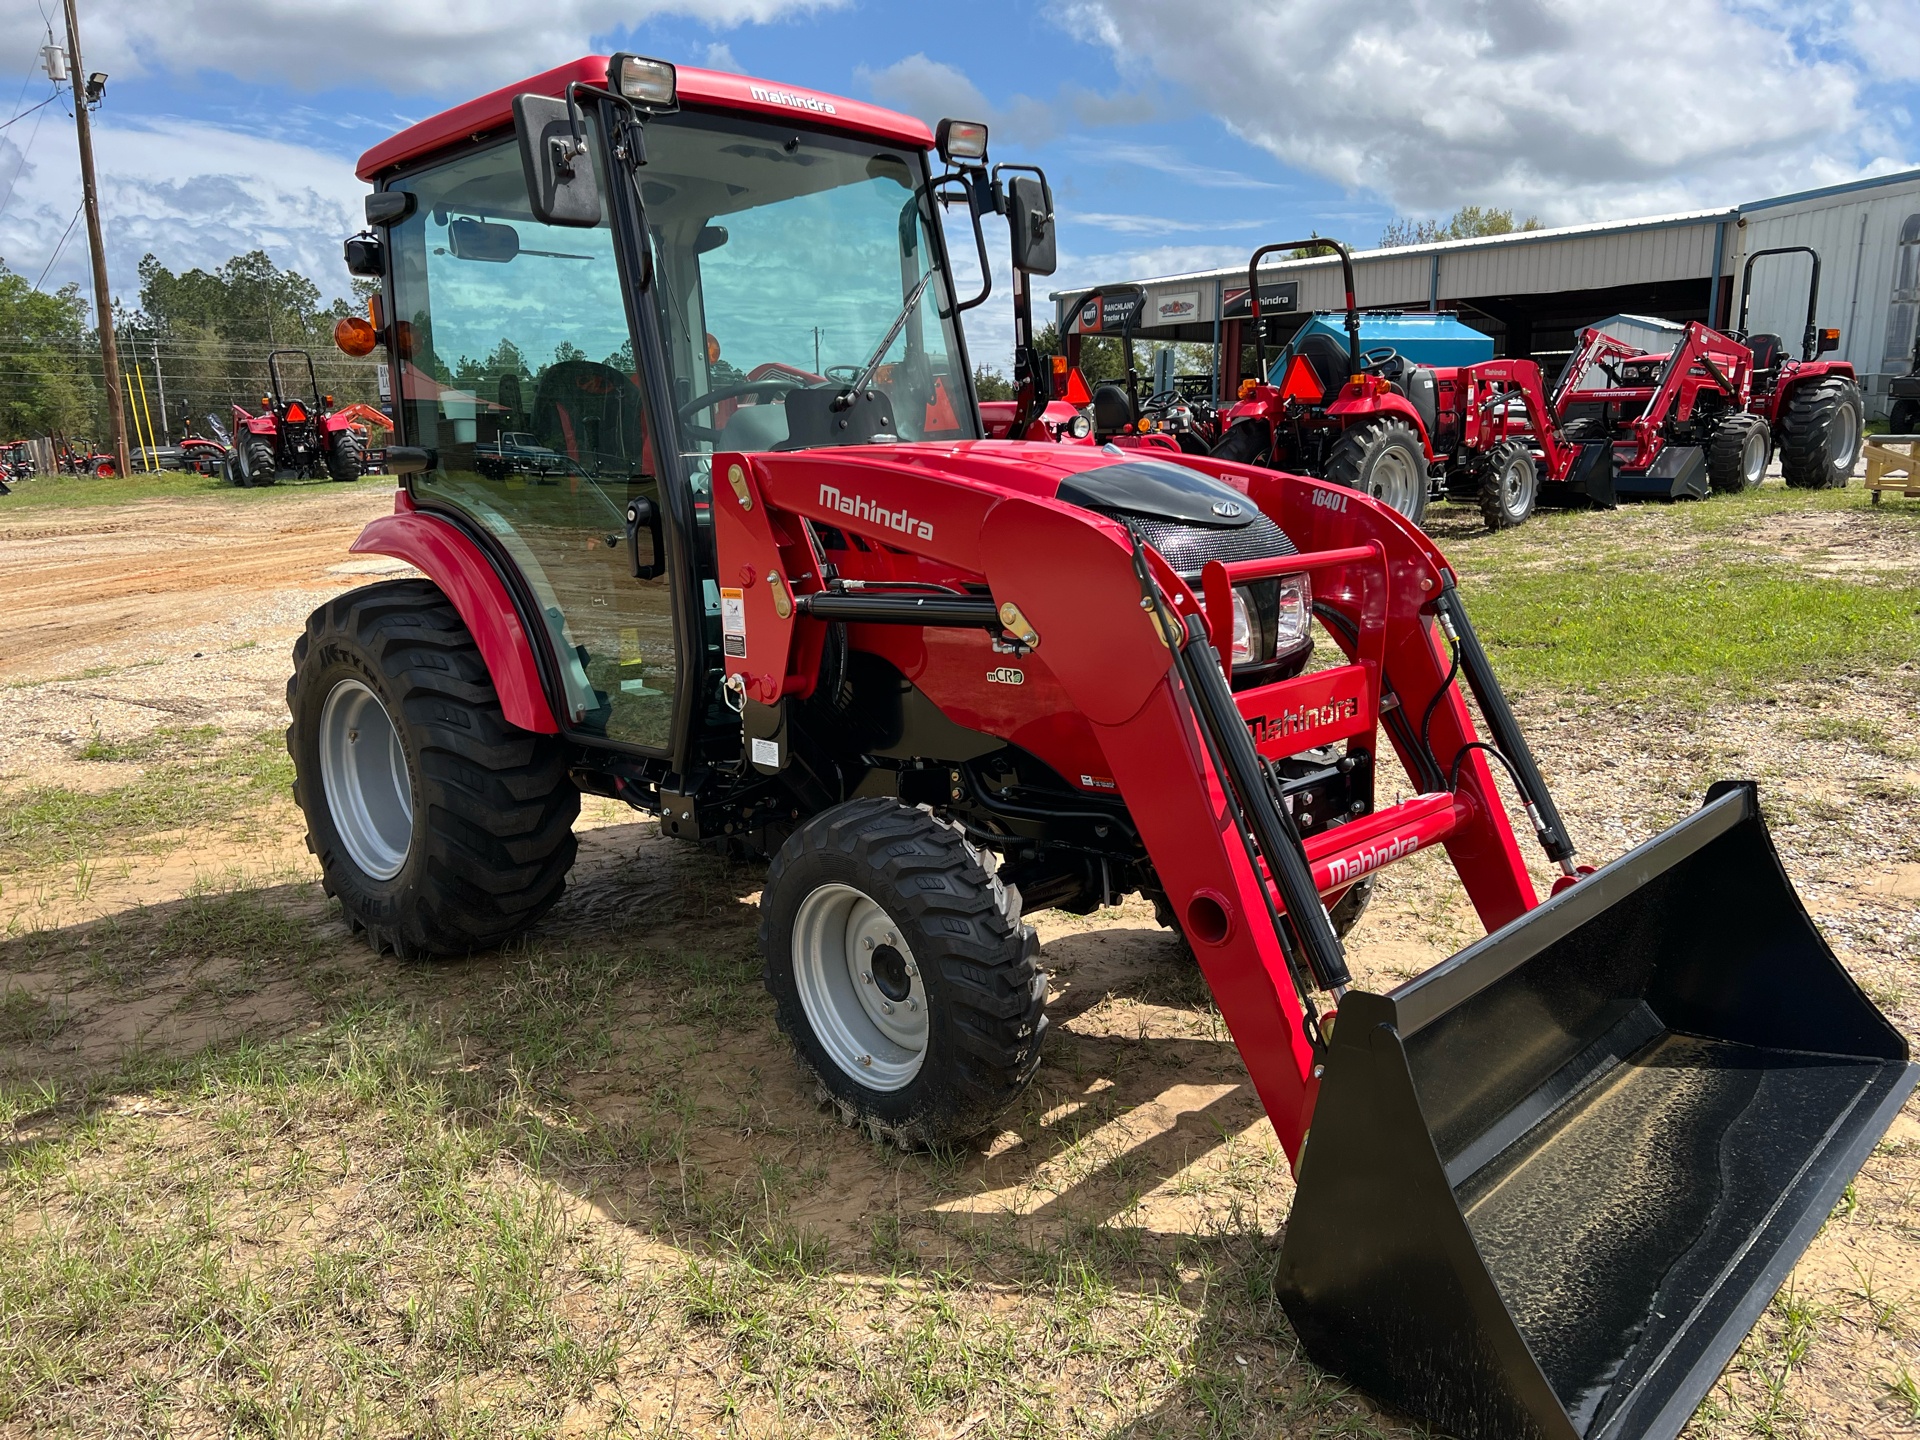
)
(1187, 548)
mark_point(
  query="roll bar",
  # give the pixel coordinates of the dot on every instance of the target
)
(1253, 298)
(1810, 338)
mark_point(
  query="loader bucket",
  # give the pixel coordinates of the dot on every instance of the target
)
(1552, 1183)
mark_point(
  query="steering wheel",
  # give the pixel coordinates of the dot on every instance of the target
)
(1378, 358)
(772, 385)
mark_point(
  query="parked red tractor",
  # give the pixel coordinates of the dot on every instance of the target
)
(296, 435)
(943, 681)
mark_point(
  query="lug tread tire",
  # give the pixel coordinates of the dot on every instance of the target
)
(960, 920)
(1356, 451)
(493, 804)
(1493, 498)
(262, 467)
(1726, 453)
(343, 457)
(1804, 424)
(1904, 417)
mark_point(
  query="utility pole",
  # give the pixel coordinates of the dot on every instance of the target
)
(103, 298)
(160, 380)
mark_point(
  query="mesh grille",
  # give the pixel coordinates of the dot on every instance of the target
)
(1189, 547)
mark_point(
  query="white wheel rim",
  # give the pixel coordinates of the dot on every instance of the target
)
(363, 769)
(860, 987)
(1753, 459)
(1393, 480)
(1840, 438)
(1519, 478)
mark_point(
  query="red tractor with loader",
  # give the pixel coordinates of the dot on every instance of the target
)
(296, 435)
(940, 681)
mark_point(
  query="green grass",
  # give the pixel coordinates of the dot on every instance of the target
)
(48, 825)
(1682, 599)
(164, 742)
(45, 492)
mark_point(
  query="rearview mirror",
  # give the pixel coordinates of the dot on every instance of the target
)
(1030, 217)
(483, 240)
(561, 187)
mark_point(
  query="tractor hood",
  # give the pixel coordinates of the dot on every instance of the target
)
(1162, 490)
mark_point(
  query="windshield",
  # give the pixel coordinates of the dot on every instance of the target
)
(784, 258)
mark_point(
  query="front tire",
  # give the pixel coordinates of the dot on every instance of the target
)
(344, 457)
(1383, 458)
(1820, 434)
(1509, 485)
(1737, 454)
(901, 971)
(441, 828)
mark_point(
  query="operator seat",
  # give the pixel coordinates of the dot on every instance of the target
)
(590, 413)
(1767, 352)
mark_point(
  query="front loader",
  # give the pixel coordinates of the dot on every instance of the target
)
(788, 600)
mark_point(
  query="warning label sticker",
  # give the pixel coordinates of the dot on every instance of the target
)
(733, 621)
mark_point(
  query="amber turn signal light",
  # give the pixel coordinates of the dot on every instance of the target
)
(354, 336)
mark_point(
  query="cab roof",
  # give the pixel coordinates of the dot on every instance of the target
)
(698, 90)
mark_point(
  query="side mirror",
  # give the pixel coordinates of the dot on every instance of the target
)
(561, 187)
(410, 459)
(389, 207)
(1030, 217)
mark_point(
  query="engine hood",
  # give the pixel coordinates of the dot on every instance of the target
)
(1161, 490)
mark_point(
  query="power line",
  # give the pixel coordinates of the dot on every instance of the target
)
(24, 113)
(61, 246)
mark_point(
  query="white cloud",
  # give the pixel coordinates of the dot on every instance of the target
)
(1156, 224)
(194, 194)
(439, 46)
(934, 90)
(720, 57)
(1566, 108)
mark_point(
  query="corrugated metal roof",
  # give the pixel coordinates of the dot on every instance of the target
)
(1872, 182)
(1454, 247)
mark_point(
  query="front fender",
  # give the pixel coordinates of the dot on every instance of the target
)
(446, 556)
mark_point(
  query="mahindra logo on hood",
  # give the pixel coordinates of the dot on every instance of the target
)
(792, 99)
(859, 508)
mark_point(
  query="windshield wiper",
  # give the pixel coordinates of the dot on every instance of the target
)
(861, 381)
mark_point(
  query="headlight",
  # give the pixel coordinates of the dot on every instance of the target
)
(1242, 628)
(1080, 427)
(1295, 617)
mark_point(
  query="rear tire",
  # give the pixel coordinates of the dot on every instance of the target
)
(1820, 434)
(441, 828)
(1383, 458)
(344, 456)
(1509, 485)
(874, 880)
(263, 467)
(1737, 454)
(1904, 417)
(1247, 442)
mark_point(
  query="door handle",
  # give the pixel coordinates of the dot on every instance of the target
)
(644, 512)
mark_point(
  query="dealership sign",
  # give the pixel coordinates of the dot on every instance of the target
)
(1176, 308)
(1111, 312)
(1281, 298)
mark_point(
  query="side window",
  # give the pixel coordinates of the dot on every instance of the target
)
(517, 368)
(1903, 308)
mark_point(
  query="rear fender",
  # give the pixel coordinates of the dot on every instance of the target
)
(1350, 409)
(447, 557)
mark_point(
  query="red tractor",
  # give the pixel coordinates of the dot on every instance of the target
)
(938, 682)
(295, 435)
(1377, 421)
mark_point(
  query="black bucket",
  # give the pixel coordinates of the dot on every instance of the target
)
(1552, 1183)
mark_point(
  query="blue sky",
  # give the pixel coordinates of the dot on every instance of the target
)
(1177, 135)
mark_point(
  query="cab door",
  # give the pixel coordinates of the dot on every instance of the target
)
(516, 366)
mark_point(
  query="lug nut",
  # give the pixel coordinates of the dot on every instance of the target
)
(868, 977)
(886, 1006)
(866, 942)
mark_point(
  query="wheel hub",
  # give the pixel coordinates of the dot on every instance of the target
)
(1840, 438)
(1753, 461)
(1393, 481)
(369, 789)
(861, 988)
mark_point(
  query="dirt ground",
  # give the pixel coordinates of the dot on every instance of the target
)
(1139, 1181)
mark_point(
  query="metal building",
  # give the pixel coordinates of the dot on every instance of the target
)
(1532, 290)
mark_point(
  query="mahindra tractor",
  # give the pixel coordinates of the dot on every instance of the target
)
(1709, 414)
(1376, 415)
(792, 603)
(296, 435)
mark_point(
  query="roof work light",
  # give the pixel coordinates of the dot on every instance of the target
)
(961, 140)
(653, 83)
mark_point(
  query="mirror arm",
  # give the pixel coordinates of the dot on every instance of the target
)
(971, 184)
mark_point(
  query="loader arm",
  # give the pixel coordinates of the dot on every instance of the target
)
(1067, 575)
